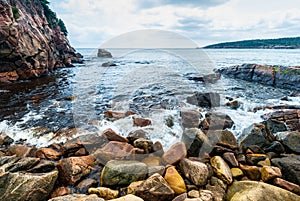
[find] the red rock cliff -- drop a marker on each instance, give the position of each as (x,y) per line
(29,48)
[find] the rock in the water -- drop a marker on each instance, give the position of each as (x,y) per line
(104,53)
(5,139)
(290,139)
(206,100)
(105,193)
(47,153)
(290,167)
(146,145)
(216,121)
(108,64)
(141,122)
(175,153)
(175,181)
(258,191)
(111,135)
(221,169)
(256,134)
(120,172)
(155,188)
(26,186)
(73,169)
(77,197)
(195,171)
(190,119)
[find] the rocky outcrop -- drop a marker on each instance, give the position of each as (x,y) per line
(29,46)
(277,76)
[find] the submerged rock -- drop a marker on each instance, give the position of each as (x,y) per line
(104,53)
(206,100)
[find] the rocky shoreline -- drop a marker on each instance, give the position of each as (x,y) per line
(209,164)
(276,76)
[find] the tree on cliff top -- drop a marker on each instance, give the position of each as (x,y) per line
(52,18)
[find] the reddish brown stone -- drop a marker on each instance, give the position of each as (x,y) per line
(175,153)
(141,122)
(190,119)
(118,115)
(230,159)
(252,172)
(111,135)
(73,169)
(61,191)
(47,153)
(21,151)
(287,185)
(268,173)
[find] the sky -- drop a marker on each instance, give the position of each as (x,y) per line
(92,23)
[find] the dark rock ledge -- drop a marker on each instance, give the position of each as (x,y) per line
(276,76)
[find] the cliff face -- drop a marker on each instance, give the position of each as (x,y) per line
(29,48)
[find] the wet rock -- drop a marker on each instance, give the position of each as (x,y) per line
(216,121)
(85,184)
(230,159)
(155,188)
(118,172)
(141,122)
(61,191)
(236,172)
(108,64)
(194,139)
(73,169)
(195,171)
(113,150)
(235,104)
(253,159)
(175,153)
(77,197)
(294,188)
(206,100)
(221,169)
(146,145)
(114,115)
(105,193)
(256,134)
(275,147)
(209,78)
(128,198)
(134,135)
(22,164)
(111,135)
(250,190)
(269,172)
(71,149)
(190,119)
(252,172)
(290,167)
(90,142)
(104,53)
(26,186)
(42,167)
(5,140)
(47,153)
(290,139)
(175,181)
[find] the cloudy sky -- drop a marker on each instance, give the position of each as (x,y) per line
(93,22)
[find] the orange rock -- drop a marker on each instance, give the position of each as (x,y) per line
(111,135)
(47,153)
(269,172)
(174,180)
(61,191)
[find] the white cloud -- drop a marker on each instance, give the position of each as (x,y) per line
(92,22)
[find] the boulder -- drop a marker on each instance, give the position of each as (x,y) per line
(290,167)
(104,53)
(120,172)
(73,169)
(256,134)
(221,169)
(155,188)
(205,100)
(218,188)
(175,153)
(209,78)
(269,173)
(216,121)
(287,185)
(259,191)
(111,135)
(196,142)
(108,64)
(146,145)
(47,153)
(289,139)
(195,171)
(141,122)
(190,119)
(252,172)
(20,186)
(5,139)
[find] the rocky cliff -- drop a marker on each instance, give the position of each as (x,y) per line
(30,44)
(277,76)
